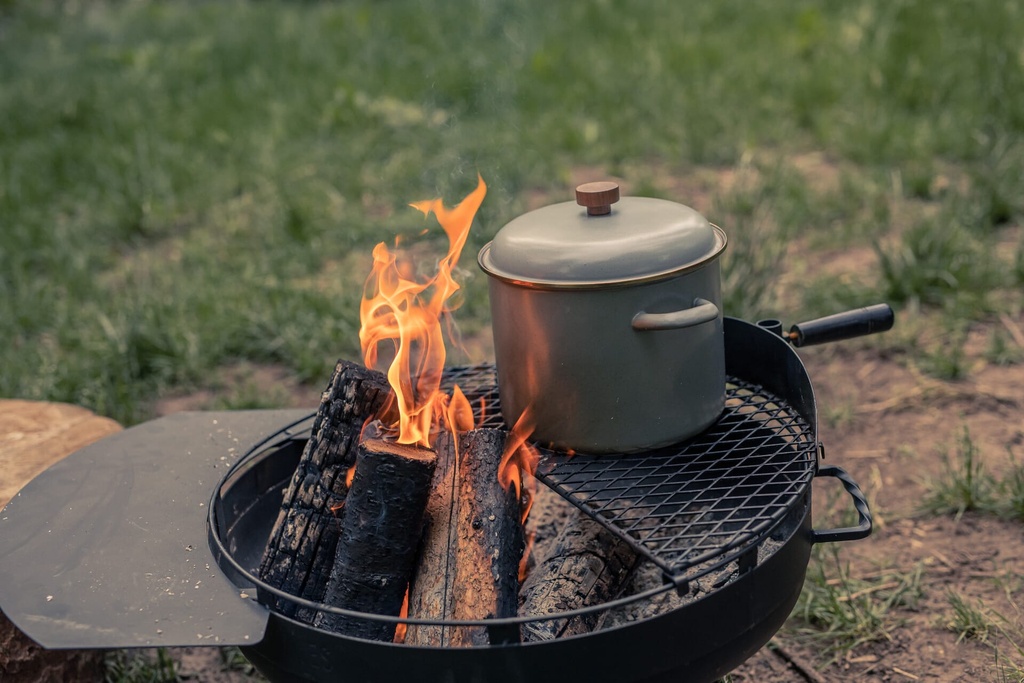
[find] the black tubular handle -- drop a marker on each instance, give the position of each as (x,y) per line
(850,533)
(856,323)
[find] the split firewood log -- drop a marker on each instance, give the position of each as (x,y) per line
(431,594)
(489,537)
(484,547)
(302,544)
(380,531)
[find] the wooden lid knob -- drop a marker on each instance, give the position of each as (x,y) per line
(598,197)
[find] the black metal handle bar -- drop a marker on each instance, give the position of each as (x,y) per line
(850,533)
(855,323)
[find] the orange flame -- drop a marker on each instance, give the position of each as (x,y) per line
(402,627)
(519,462)
(458,414)
(407,313)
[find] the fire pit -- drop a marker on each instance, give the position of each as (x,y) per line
(123,545)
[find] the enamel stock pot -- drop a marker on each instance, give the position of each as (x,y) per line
(607,321)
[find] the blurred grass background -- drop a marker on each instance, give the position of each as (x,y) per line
(185,185)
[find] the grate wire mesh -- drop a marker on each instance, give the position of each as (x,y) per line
(693,507)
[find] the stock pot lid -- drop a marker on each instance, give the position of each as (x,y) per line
(591,242)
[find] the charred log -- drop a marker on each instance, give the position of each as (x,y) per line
(302,544)
(380,530)
(548,515)
(587,565)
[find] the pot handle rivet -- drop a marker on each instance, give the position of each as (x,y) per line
(598,197)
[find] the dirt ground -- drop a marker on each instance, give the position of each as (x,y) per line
(895,425)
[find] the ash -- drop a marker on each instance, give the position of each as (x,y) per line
(647,576)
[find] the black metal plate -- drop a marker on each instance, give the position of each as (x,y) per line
(108,549)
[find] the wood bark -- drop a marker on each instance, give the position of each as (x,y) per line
(489,537)
(380,531)
(484,544)
(587,565)
(302,544)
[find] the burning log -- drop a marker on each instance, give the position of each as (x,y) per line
(489,541)
(587,565)
(302,544)
(431,594)
(478,553)
(380,531)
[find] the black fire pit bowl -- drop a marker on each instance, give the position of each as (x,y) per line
(699,642)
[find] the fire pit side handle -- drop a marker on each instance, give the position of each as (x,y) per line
(860,502)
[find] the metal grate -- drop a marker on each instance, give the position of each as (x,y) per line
(693,507)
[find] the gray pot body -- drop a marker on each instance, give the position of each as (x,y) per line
(598,384)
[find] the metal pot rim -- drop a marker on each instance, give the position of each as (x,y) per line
(485,263)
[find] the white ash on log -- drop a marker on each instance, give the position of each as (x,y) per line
(648,576)
(484,545)
(381,524)
(587,565)
(302,544)
(548,514)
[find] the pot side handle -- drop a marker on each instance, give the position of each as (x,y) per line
(850,533)
(703,311)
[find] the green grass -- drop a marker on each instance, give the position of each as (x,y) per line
(188,184)
(972,620)
(1002,350)
(1011,491)
(233,660)
(159,665)
(941,263)
(839,612)
(133,666)
(964,484)
(967,620)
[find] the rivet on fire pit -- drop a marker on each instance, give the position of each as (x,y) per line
(598,197)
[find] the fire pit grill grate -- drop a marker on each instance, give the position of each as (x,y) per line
(693,507)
